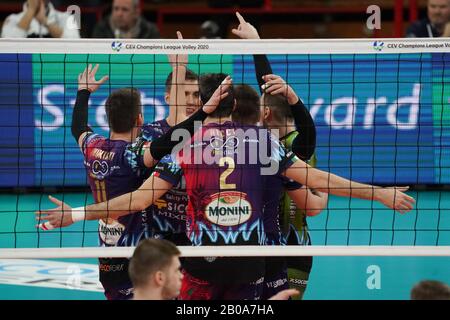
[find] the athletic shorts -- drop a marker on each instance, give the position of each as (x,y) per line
(118,292)
(298,279)
(197,289)
(115,279)
(275,284)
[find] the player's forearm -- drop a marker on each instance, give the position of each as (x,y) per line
(177,99)
(331,183)
(120,206)
(80,114)
(163,145)
(304,144)
(316,202)
(262,68)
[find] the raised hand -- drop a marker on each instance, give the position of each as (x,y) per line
(276,85)
(59,217)
(245,30)
(178,59)
(86,80)
(395,198)
(220,93)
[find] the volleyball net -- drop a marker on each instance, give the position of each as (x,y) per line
(381,110)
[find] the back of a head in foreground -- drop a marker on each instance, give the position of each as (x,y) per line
(208,83)
(430,290)
(247,111)
(149,257)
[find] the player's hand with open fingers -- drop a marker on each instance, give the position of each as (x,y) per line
(86,80)
(59,217)
(275,84)
(221,93)
(395,198)
(245,30)
(178,59)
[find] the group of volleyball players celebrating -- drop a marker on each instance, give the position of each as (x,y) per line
(246,176)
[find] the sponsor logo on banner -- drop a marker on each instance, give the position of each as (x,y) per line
(378,45)
(116,46)
(50,274)
(229,208)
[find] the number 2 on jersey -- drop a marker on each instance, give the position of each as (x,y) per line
(231,165)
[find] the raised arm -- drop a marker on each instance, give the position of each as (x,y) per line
(245,30)
(305,143)
(64,215)
(86,85)
(177,98)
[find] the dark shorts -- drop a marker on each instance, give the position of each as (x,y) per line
(197,289)
(275,284)
(114,278)
(298,279)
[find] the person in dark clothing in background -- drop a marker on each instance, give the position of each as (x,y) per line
(438,15)
(126,22)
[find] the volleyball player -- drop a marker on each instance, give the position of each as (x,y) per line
(109,172)
(297,202)
(112,171)
(204,184)
(284,111)
(166,218)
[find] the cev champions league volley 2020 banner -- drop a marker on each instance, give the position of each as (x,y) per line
(381,119)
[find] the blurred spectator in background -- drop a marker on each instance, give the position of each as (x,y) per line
(39,19)
(126,22)
(447,30)
(217,27)
(438,15)
(430,290)
(210,30)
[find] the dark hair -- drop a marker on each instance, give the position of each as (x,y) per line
(430,290)
(279,107)
(122,107)
(208,84)
(190,76)
(150,256)
(247,110)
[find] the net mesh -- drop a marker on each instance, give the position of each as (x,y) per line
(382,118)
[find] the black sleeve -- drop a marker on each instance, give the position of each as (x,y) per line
(164,144)
(80,114)
(262,67)
(304,144)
